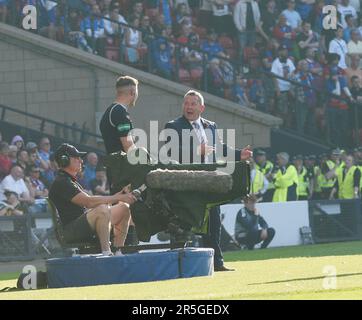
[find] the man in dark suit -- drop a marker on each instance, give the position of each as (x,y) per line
(208,147)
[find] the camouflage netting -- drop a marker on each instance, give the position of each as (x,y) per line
(165,205)
(185,180)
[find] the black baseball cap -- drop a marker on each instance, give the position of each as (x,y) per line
(69,150)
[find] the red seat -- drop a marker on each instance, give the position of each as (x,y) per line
(112,53)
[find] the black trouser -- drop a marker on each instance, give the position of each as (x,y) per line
(268,195)
(212,238)
(254,237)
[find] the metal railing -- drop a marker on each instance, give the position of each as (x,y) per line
(50,127)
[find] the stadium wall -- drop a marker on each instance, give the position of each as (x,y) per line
(44,77)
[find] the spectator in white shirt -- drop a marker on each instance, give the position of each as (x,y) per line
(112,28)
(14,182)
(355,45)
(283,67)
(339,46)
(293,17)
(345,8)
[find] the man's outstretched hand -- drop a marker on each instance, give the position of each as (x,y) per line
(246,153)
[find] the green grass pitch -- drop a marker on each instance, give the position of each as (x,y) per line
(303,272)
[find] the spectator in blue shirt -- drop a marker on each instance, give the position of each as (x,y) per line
(93,27)
(89,172)
(211,46)
(304,9)
(350,26)
(42,157)
(162,58)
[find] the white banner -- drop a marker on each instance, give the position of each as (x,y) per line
(285,217)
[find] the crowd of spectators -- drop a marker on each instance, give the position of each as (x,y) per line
(27,169)
(228,47)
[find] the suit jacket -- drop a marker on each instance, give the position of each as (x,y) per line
(182,123)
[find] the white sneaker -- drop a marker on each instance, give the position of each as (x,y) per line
(107,253)
(118,253)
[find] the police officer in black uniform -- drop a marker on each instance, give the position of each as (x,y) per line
(116,124)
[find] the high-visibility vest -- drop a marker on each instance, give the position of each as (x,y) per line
(303,183)
(258,182)
(283,181)
(323,182)
(265,170)
(346,188)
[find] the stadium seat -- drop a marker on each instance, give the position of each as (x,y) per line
(84,247)
(112,53)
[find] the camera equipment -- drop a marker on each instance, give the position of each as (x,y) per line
(137,192)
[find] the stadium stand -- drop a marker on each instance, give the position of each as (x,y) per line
(131,31)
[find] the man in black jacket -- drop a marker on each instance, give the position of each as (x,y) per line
(205,132)
(250,226)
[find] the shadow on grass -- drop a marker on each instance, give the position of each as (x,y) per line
(305,279)
(317,250)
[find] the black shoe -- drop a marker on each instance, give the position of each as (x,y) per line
(223,268)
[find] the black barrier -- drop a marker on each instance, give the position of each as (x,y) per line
(15,238)
(28,237)
(335,220)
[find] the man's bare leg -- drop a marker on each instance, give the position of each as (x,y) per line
(120,219)
(99,219)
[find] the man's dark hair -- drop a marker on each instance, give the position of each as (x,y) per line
(8,193)
(125,81)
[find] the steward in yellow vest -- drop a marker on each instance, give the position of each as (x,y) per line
(303,178)
(266,167)
(327,178)
(348,181)
(285,180)
(259,184)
